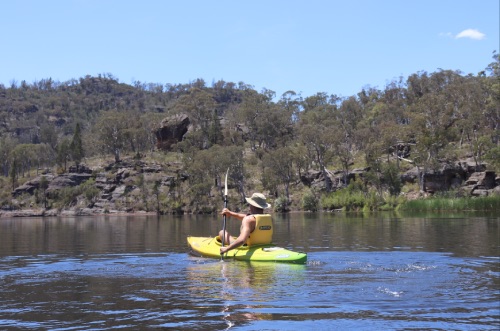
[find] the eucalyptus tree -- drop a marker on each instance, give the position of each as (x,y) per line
(111,132)
(266,124)
(383,131)
(206,169)
(491,85)
(254,113)
(44,155)
(471,99)
(433,114)
(279,170)
(44,184)
(25,154)
(13,173)
(63,153)
(316,129)
(346,134)
(146,139)
(7,145)
(76,146)
(117,132)
(201,108)
(48,134)
(138,134)
(291,102)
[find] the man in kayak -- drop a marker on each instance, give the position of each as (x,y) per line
(256,227)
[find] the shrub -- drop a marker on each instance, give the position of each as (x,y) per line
(352,198)
(281,204)
(309,202)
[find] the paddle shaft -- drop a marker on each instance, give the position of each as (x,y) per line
(224,222)
(224,216)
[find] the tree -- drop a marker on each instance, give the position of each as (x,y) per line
(201,108)
(433,115)
(13,173)
(44,184)
(207,168)
(156,192)
(7,145)
(263,120)
(76,146)
(278,167)
(24,155)
(48,135)
(345,137)
(316,128)
(111,132)
(63,153)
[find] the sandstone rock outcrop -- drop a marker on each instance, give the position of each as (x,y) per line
(172,130)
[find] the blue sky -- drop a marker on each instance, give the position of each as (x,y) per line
(307,46)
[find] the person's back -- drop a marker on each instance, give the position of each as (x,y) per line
(263,232)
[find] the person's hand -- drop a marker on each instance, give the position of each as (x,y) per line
(223,250)
(226,211)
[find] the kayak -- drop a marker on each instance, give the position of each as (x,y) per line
(210,247)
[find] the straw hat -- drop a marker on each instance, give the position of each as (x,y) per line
(258,200)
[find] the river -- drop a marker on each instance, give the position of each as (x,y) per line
(364,272)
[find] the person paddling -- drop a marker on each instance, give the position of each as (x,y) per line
(256,227)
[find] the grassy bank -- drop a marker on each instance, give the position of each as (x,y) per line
(357,197)
(490,203)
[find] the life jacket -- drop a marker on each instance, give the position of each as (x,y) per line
(263,233)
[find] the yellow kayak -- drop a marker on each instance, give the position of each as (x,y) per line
(210,247)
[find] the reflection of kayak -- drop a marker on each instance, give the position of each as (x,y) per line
(210,247)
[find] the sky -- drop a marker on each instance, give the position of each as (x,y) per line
(306,46)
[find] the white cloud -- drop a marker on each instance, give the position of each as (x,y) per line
(471,33)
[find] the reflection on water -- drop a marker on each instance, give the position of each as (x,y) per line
(244,287)
(362,273)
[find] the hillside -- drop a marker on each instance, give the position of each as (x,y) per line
(96,145)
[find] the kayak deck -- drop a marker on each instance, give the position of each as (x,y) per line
(210,247)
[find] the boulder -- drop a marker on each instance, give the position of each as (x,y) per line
(310,176)
(470,166)
(410,176)
(171,131)
(66,180)
(30,186)
(81,169)
(484,180)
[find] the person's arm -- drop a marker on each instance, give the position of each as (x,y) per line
(244,234)
(229,213)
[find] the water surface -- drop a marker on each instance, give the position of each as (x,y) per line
(377,272)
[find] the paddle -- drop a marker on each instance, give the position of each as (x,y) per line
(224,216)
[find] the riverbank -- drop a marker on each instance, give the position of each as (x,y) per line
(430,204)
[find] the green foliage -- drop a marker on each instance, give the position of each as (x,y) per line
(493,157)
(68,196)
(63,153)
(281,204)
(76,146)
(90,192)
(13,173)
(355,197)
(268,145)
(489,203)
(392,202)
(279,171)
(391,178)
(309,201)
